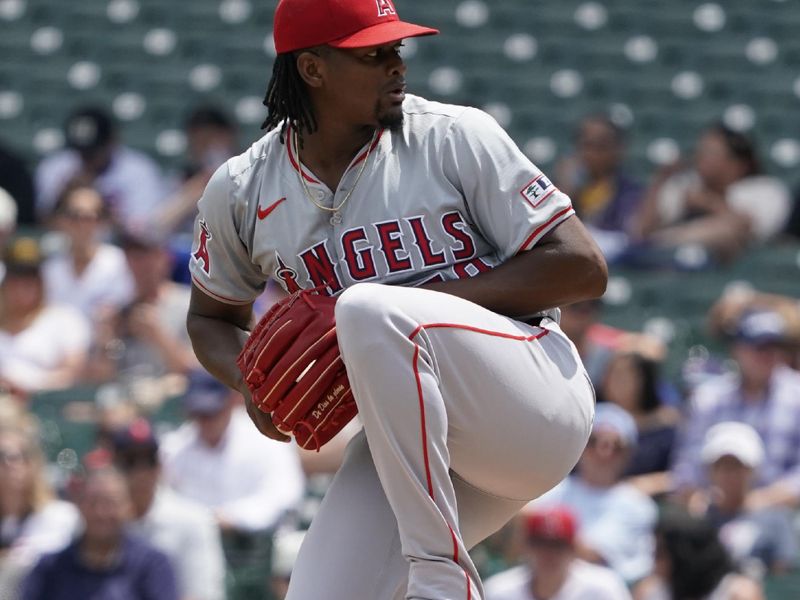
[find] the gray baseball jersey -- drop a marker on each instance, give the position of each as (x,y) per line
(448,196)
(437,380)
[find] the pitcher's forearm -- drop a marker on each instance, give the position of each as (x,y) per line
(565,267)
(218,332)
(216,344)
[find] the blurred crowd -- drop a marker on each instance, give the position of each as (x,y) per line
(687,489)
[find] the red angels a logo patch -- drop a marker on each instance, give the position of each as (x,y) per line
(385,8)
(538,190)
(286,275)
(201,255)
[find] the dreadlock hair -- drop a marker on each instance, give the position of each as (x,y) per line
(287,99)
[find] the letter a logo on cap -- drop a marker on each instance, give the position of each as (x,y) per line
(385,8)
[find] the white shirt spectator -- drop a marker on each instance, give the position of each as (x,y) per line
(617,522)
(47,530)
(132,184)
(189,536)
(106,282)
(585,581)
(765,200)
(30,358)
(251,480)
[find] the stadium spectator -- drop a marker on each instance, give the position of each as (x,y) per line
(88,274)
(603,194)
(16,179)
(148,338)
(551,569)
(42,346)
(711,204)
(758,541)
(616,519)
(184,531)
(130,182)
(692,564)
(8,223)
(221,461)
(724,316)
(105,562)
(764,393)
(32,520)
(211,140)
(632,381)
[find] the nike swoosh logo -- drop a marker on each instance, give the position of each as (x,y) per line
(263,213)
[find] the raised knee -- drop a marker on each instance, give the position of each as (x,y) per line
(355,302)
(360,308)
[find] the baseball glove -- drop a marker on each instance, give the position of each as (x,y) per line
(292,367)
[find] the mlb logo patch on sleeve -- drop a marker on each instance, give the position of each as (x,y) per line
(538,190)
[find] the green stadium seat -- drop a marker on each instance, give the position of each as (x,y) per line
(248,559)
(67,421)
(623,51)
(783,587)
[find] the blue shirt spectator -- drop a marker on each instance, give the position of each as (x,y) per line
(604,195)
(139,573)
(105,562)
(774,413)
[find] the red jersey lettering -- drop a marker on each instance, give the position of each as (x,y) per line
(423,240)
(320,267)
(455,227)
(392,246)
(359,262)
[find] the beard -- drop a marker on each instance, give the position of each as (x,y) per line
(393,121)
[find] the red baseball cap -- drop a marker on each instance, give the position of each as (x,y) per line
(556,524)
(303,24)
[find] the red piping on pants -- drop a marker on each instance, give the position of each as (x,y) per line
(415,363)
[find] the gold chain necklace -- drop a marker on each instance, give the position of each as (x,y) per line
(307,192)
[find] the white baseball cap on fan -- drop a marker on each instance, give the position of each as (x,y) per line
(738,440)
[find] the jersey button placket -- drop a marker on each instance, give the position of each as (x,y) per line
(336,218)
(339,195)
(325,198)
